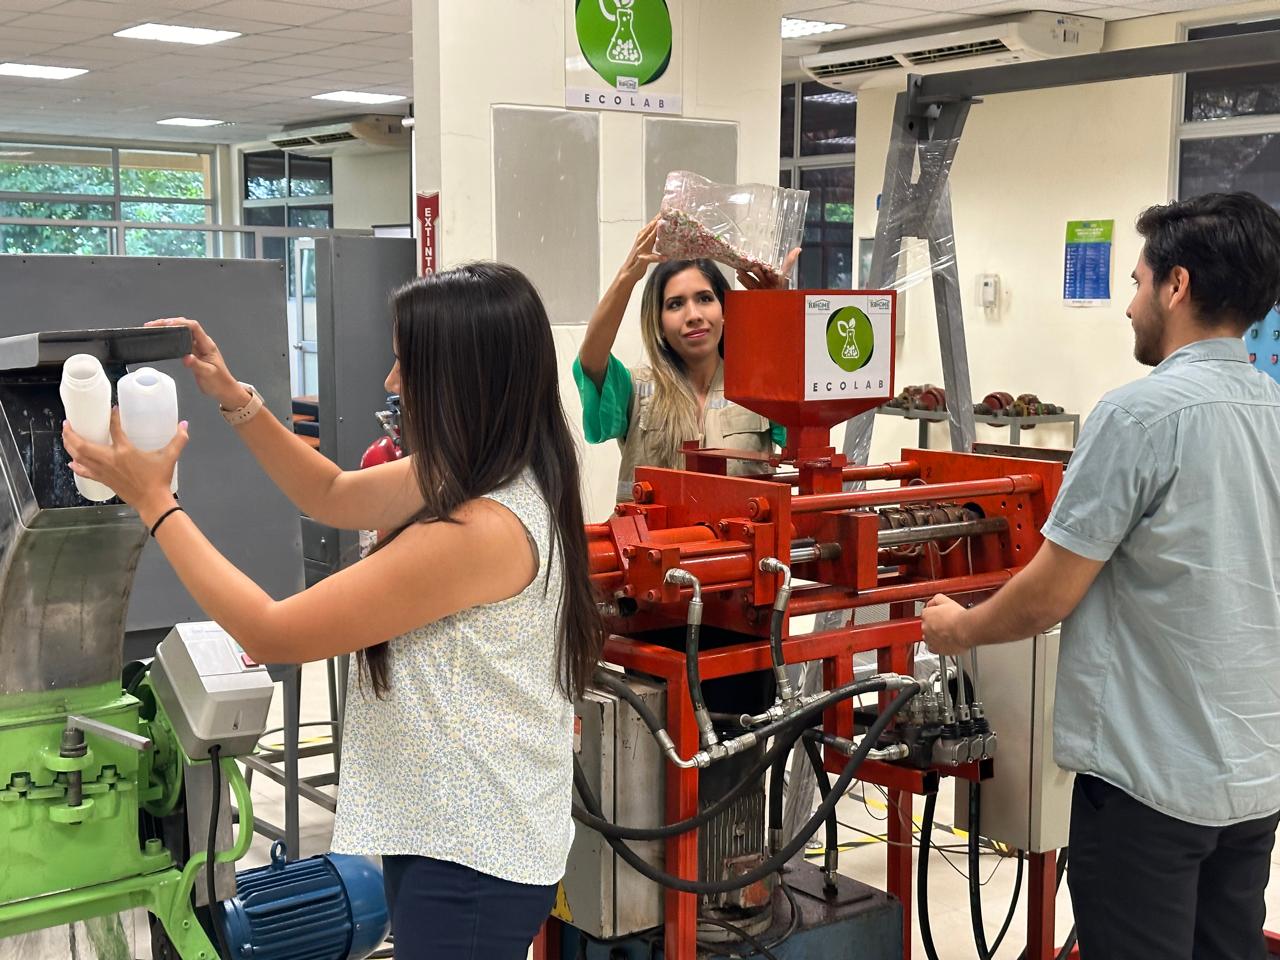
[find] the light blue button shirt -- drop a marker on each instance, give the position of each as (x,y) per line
(1169,672)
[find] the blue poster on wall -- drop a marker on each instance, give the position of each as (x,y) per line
(1086,276)
(1263,341)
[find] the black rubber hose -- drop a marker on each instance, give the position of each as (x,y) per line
(775,636)
(618,686)
(922,876)
(1013,904)
(777,860)
(824,790)
(692,633)
(780,730)
(702,817)
(975,882)
(215,810)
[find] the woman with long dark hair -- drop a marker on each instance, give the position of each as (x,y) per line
(473,622)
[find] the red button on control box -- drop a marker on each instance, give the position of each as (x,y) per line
(247,660)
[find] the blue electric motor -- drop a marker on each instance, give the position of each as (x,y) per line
(330,907)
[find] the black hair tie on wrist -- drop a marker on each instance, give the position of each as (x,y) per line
(163,517)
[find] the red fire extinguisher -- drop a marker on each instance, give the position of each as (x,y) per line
(386,449)
(389,446)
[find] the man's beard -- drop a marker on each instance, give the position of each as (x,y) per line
(1147,338)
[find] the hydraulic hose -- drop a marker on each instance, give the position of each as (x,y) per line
(785,740)
(777,860)
(777,620)
(831,857)
(975,883)
(618,687)
(693,631)
(922,876)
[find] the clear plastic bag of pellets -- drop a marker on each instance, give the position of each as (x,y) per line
(746,226)
(112,937)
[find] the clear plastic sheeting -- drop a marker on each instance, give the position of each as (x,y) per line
(119,936)
(745,226)
(916,204)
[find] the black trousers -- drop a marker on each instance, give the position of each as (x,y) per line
(1146,885)
(445,911)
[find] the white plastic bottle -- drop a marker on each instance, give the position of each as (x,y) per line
(86,399)
(149,410)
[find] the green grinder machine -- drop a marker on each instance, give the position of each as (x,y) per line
(106,783)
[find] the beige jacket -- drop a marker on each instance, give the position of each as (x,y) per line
(724,425)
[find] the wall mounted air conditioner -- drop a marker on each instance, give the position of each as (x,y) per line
(886,62)
(368,134)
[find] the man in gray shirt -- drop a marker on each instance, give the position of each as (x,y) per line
(1162,560)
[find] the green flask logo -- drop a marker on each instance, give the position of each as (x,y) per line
(850,339)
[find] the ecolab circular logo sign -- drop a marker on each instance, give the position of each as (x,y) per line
(627,42)
(850,338)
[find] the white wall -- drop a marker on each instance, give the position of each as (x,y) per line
(499,52)
(1026,164)
(371,189)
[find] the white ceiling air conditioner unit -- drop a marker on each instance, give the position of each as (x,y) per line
(368,134)
(886,62)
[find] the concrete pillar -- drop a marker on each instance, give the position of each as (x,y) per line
(561,193)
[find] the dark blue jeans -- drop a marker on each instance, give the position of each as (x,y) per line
(445,911)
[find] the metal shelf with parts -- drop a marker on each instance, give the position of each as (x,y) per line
(1015,424)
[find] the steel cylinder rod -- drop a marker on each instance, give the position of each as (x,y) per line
(942,531)
(806,600)
(895,470)
(995,487)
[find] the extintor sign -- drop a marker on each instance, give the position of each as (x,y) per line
(428,217)
(847,346)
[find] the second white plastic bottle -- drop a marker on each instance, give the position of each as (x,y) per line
(149,410)
(86,400)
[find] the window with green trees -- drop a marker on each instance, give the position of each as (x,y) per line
(104,200)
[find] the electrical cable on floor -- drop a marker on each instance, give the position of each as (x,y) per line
(215,810)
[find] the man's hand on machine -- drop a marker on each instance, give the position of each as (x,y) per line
(945,626)
(139,478)
(207,366)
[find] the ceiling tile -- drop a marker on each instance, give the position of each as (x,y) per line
(803,8)
(272,11)
(367,21)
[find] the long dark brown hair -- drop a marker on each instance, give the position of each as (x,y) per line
(480,402)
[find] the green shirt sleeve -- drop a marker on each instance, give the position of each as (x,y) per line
(779,434)
(606,413)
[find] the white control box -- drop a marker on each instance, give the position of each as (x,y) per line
(1027,804)
(211,690)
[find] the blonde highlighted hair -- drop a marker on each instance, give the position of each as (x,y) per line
(673,411)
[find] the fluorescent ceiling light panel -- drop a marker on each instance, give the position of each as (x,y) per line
(792,28)
(191,122)
(39,72)
(167,33)
(354,96)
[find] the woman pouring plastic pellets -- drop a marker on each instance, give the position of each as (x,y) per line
(473,622)
(652,410)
